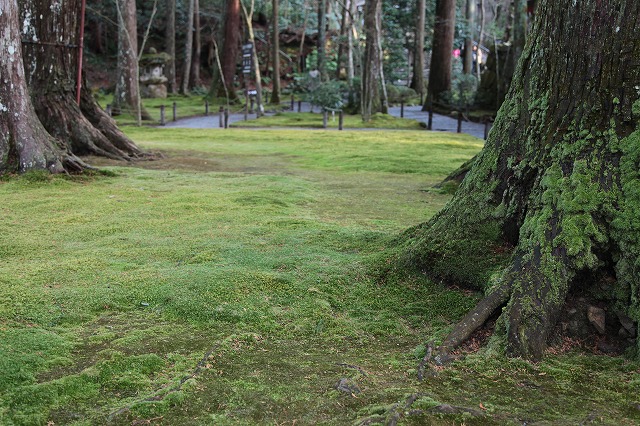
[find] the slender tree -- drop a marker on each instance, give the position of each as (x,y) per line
(350,43)
(188,50)
(443,32)
(197,46)
(417,80)
(127,92)
(342,41)
(275,93)
(170,37)
(549,208)
(51,62)
(322,39)
(248,16)
(371,101)
(470,15)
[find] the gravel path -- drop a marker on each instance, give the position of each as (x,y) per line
(440,122)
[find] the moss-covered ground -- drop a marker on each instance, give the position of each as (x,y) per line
(238,281)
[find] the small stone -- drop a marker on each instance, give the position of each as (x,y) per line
(596,317)
(347,386)
(627,323)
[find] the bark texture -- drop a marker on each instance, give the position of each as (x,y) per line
(470,15)
(322,39)
(25,145)
(49,34)
(275,93)
(228,54)
(370,97)
(548,206)
(171,45)
(188,50)
(417,81)
(197,46)
(443,32)
(127,92)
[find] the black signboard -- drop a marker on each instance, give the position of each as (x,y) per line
(247,58)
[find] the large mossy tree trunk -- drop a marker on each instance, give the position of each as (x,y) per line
(550,204)
(50,34)
(25,145)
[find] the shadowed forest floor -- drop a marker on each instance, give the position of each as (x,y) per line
(237,281)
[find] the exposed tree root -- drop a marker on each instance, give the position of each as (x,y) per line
(425,360)
(162,393)
(107,126)
(401,410)
(354,367)
(471,322)
(62,117)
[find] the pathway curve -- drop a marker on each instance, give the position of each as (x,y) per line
(440,122)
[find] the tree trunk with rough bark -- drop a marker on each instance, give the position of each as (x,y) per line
(322,40)
(275,93)
(127,92)
(197,46)
(248,16)
(417,81)
(50,54)
(441,53)
(550,206)
(351,73)
(170,35)
(372,62)
(228,54)
(188,50)
(470,15)
(25,145)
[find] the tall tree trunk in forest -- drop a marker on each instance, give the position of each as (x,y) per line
(248,16)
(470,15)
(517,40)
(550,205)
(170,36)
(51,62)
(351,71)
(417,81)
(188,50)
(275,45)
(197,46)
(480,52)
(303,33)
(229,54)
(342,40)
(127,92)
(443,32)
(25,145)
(372,62)
(322,39)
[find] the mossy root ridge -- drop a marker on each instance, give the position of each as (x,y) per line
(547,208)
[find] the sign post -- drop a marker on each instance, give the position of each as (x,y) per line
(247,66)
